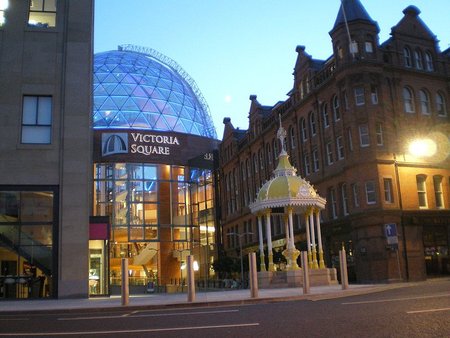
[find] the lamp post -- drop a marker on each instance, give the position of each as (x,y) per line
(239,236)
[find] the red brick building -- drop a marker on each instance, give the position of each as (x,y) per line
(351,120)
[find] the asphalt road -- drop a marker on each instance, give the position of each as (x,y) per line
(418,310)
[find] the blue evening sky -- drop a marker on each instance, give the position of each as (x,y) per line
(236,48)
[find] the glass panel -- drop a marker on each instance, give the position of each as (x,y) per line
(36,207)
(136,213)
(136,191)
(45,110)
(150,172)
(41,19)
(151,213)
(120,171)
(36,235)
(50,6)
(36,5)
(10,234)
(35,134)
(9,206)
(150,233)
(150,191)
(29,110)
(136,233)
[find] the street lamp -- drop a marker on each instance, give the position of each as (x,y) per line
(240,250)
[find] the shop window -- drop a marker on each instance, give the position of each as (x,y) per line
(422,191)
(42,13)
(37,119)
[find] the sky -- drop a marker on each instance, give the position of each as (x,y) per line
(237,48)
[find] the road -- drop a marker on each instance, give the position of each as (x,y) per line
(417,310)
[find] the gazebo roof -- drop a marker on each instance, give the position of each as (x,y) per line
(285,188)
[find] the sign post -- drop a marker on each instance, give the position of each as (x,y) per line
(390,231)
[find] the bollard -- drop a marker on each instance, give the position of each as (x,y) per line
(190,279)
(253,275)
(125,287)
(344,273)
(304,261)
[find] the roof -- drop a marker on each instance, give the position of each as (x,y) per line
(351,10)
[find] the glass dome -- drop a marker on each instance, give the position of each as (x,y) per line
(138,88)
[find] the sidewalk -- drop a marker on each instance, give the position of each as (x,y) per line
(162,300)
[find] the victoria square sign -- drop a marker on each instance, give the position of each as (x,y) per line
(149,146)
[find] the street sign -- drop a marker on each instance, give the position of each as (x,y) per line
(390,231)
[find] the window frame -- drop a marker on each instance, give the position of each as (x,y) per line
(441,106)
(424,98)
(44,11)
(371,193)
(363,135)
(340,148)
(438,193)
(408,100)
(37,114)
(407,57)
(388,190)
(360,99)
(336,108)
(379,134)
(421,183)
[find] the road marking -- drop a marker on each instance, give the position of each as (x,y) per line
(134,315)
(397,299)
(129,331)
(8,319)
(429,310)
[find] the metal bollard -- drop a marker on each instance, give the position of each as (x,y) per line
(344,273)
(190,278)
(125,286)
(304,261)
(253,275)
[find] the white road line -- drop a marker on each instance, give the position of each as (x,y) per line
(47,334)
(8,319)
(397,299)
(133,315)
(429,310)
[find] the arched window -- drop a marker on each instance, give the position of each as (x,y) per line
(303,129)
(325,117)
(441,107)
(429,62)
(312,123)
(408,100)
(407,57)
(249,172)
(424,102)
(292,137)
(336,109)
(418,58)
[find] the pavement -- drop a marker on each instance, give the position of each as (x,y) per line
(210,298)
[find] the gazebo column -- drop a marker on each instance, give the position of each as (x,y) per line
(319,240)
(269,243)
(313,240)
(293,252)
(262,263)
(308,240)
(288,242)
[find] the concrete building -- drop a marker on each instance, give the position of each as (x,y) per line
(45,147)
(369,128)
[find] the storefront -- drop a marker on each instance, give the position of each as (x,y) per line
(28,227)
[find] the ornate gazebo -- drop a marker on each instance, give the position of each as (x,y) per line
(287,194)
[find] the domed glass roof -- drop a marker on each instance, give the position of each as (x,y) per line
(137,88)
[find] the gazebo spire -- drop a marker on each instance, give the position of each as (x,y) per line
(284,167)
